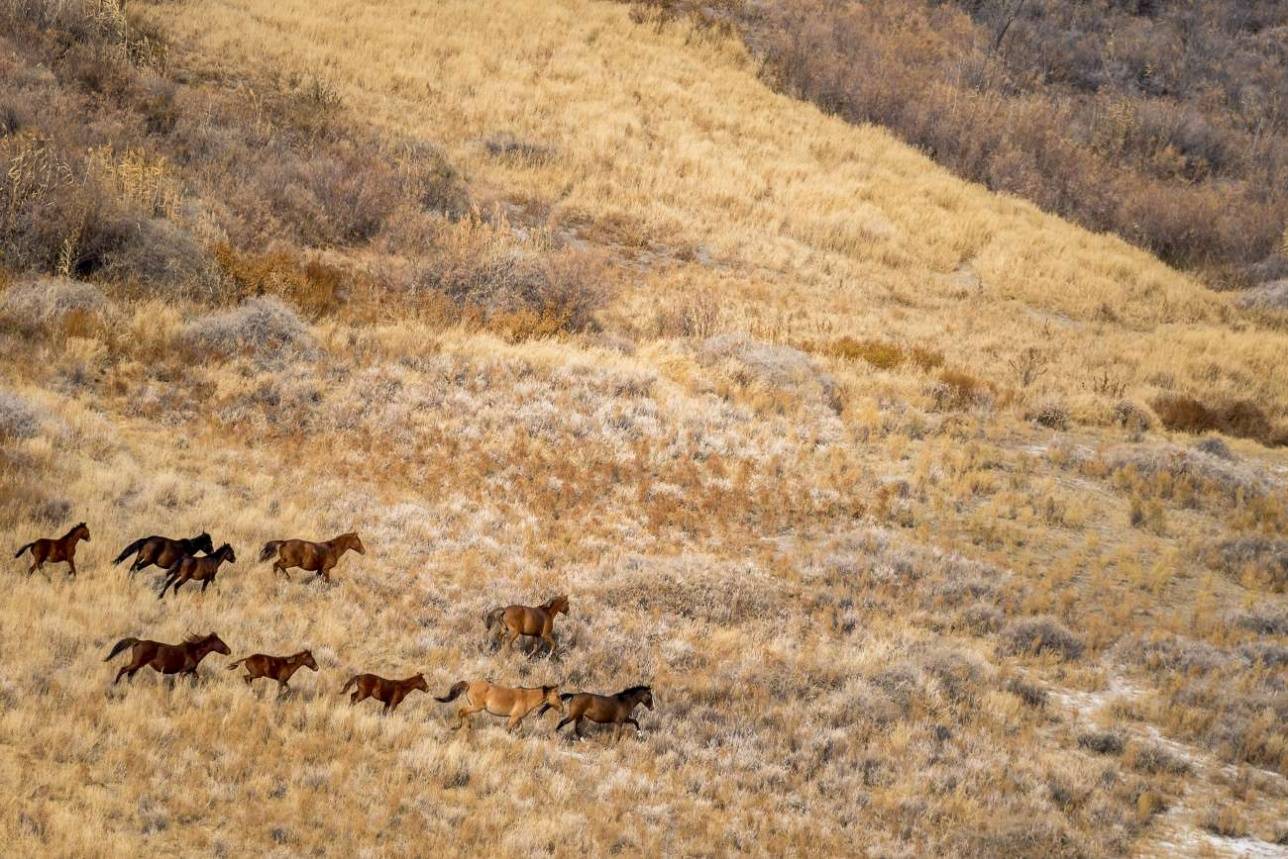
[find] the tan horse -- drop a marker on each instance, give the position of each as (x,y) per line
(519,620)
(167,658)
(612,710)
(279,668)
(318,558)
(203,569)
(57,551)
(163,551)
(502,701)
(392,692)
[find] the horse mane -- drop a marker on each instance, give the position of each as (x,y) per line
(74,529)
(196,638)
(633,690)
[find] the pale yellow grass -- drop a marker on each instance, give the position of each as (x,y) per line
(665,141)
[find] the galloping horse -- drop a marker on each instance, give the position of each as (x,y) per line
(502,701)
(162,551)
(167,658)
(62,549)
(392,692)
(317,558)
(279,668)
(528,620)
(614,710)
(202,569)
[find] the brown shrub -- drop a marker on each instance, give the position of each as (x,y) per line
(1239,418)
(1258,561)
(1037,635)
(957,390)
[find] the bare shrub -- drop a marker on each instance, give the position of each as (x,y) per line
(1038,635)
(696,315)
(1050,414)
(749,363)
(1262,561)
(162,258)
(18,418)
(1131,417)
(1239,418)
(263,327)
(41,303)
(1152,758)
(479,268)
(1101,742)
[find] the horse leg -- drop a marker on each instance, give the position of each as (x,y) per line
(617,732)
(513,723)
(576,727)
(631,721)
(71,563)
(278,568)
(462,713)
(563,722)
(359,695)
(549,638)
(514,633)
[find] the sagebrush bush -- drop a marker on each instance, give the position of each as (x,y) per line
(18,418)
(49,303)
(263,327)
(1039,635)
(1261,561)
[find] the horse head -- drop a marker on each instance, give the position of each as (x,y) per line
(551,699)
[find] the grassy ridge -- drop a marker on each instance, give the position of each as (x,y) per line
(854,462)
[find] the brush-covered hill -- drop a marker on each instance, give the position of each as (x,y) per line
(938,525)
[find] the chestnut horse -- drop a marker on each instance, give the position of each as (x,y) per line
(203,569)
(317,558)
(162,551)
(167,658)
(392,692)
(279,668)
(528,620)
(62,549)
(502,701)
(612,710)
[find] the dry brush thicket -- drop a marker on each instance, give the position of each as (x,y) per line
(858,465)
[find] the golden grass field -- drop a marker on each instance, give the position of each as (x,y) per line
(888,606)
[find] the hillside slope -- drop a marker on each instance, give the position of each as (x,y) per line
(854,462)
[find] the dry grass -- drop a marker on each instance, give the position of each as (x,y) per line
(878,606)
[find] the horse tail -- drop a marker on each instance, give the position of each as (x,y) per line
(347,686)
(130,550)
(270,549)
(121,645)
(232,666)
(492,618)
(18,554)
(454,692)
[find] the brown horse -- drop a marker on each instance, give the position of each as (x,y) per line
(527,620)
(203,569)
(62,549)
(167,658)
(390,691)
(317,558)
(163,551)
(502,701)
(279,668)
(612,710)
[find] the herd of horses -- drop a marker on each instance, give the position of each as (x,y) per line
(196,559)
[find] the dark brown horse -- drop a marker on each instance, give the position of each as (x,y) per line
(279,668)
(515,702)
(612,710)
(163,551)
(528,620)
(390,691)
(57,551)
(203,569)
(167,658)
(318,558)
